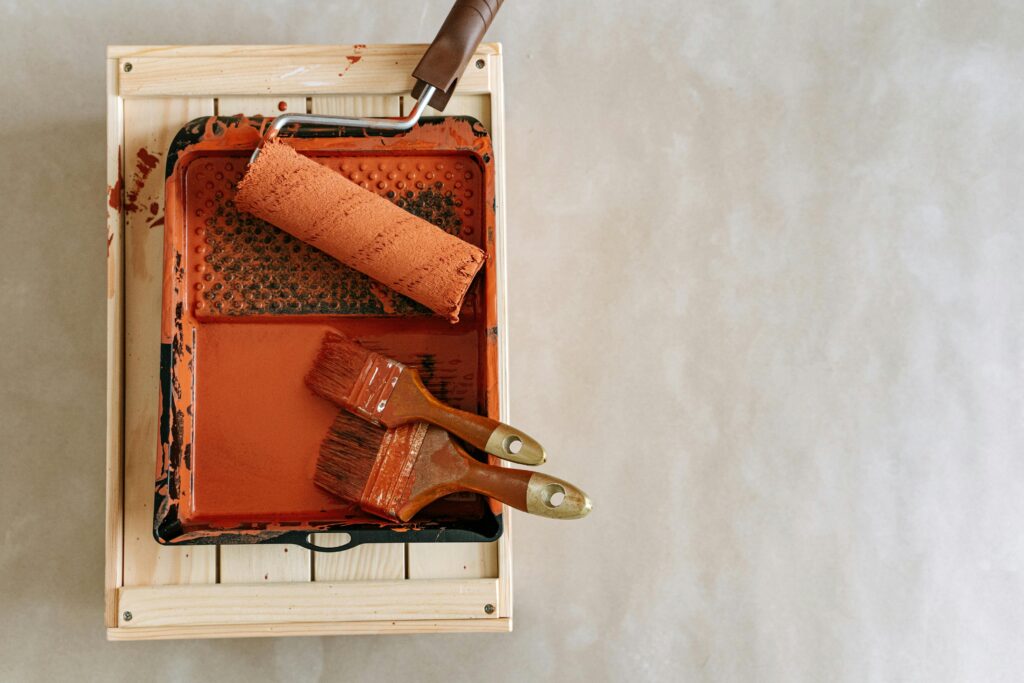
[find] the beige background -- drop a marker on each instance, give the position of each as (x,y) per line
(766,306)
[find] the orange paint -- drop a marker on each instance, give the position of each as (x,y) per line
(244,431)
(258,428)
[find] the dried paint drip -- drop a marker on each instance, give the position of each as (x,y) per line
(241,265)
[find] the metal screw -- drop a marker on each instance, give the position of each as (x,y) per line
(489,608)
(127,67)
(480,63)
(127,616)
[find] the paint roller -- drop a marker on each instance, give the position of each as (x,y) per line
(359,228)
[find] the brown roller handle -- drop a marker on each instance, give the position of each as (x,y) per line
(533,492)
(453,46)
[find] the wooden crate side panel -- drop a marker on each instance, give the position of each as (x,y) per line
(114,516)
(298,602)
(337,52)
(149,127)
(359,71)
(497,108)
(322,628)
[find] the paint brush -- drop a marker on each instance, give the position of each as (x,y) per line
(388,393)
(394,473)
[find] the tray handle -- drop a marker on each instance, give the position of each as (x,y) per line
(303,541)
(453,46)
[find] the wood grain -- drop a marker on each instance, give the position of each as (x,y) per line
(319,51)
(497,130)
(320,628)
(340,70)
(289,603)
(114,525)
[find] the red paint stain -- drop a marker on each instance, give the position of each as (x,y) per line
(114,195)
(352,60)
(147,162)
(144,165)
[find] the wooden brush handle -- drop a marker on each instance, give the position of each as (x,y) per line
(533,492)
(488,435)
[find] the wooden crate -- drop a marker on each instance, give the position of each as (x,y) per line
(158,592)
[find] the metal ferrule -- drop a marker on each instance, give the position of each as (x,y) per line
(396,124)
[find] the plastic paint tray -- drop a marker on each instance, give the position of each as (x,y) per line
(245,306)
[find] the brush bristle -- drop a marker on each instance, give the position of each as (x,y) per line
(337,367)
(347,455)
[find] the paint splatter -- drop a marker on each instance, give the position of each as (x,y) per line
(352,60)
(147,162)
(114,195)
(144,165)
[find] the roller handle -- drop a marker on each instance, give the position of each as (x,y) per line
(490,436)
(453,46)
(533,492)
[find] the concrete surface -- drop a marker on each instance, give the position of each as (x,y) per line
(766,304)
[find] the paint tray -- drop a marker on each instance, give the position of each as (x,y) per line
(245,306)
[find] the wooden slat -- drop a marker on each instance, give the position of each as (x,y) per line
(358,70)
(378,560)
(321,628)
(457,560)
(453,560)
(263,563)
(497,129)
(114,526)
(356,105)
(321,51)
(362,563)
(149,126)
(283,603)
